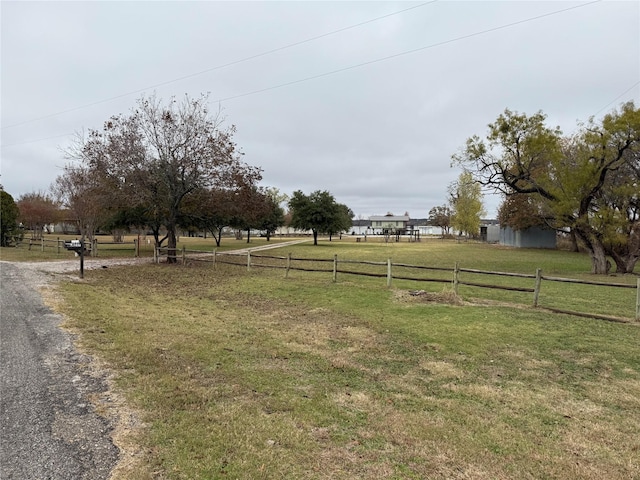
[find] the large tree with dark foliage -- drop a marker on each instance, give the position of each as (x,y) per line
(319,212)
(8,219)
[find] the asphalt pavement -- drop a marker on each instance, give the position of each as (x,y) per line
(48,425)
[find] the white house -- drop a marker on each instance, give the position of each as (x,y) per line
(389,223)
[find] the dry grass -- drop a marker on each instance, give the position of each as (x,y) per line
(249,375)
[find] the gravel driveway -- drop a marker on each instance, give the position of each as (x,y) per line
(49,428)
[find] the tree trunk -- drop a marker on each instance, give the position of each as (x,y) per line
(248,235)
(171,244)
(574,241)
(624,263)
(599,263)
(315,237)
(217,235)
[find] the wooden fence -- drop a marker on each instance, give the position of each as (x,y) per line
(94,247)
(43,243)
(453,277)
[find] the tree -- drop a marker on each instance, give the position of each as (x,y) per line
(126,219)
(36,211)
(80,190)
(211,210)
(573,179)
(342,221)
(617,214)
(520,211)
(9,228)
(466,202)
(159,155)
(273,217)
(441,217)
(318,212)
(251,208)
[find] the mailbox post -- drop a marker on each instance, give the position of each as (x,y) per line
(78,247)
(82,256)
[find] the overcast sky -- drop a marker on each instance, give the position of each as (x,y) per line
(367,100)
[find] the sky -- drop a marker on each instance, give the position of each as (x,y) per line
(367,100)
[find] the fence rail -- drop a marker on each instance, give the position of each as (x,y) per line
(301,264)
(93,247)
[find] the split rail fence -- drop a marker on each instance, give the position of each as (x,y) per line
(94,247)
(453,276)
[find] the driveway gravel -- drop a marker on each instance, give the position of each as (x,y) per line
(49,428)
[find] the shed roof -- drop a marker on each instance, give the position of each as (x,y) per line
(389,218)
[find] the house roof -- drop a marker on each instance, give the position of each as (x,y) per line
(389,218)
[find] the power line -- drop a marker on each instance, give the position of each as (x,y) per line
(219,67)
(618,97)
(34,141)
(351,67)
(407,52)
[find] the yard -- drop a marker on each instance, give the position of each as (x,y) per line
(244,374)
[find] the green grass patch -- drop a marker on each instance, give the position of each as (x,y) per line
(35,252)
(250,375)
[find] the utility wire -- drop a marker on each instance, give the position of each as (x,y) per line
(618,97)
(35,141)
(407,52)
(219,67)
(351,67)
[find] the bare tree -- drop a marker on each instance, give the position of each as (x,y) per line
(82,193)
(38,210)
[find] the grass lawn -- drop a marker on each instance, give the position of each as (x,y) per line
(246,374)
(107,249)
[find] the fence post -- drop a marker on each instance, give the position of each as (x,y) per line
(184,259)
(248,260)
(43,244)
(389,272)
(638,301)
(456,270)
(536,290)
(58,245)
(286,273)
(335,268)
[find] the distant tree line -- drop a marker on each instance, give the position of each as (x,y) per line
(165,167)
